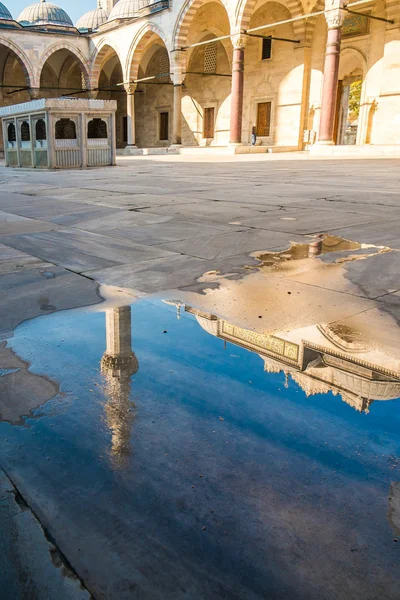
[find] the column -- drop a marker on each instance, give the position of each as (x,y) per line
(334,16)
(178,75)
(237,91)
(130,112)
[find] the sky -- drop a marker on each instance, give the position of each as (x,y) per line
(74,8)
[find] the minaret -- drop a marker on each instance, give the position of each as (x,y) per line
(118,364)
(106,4)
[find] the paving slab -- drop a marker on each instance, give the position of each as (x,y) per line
(33,292)
(159,233)
(11,224)
(380,232)
(228,244)
(116,218)
(153,275)
(219,211)
(307,220)
(82,250)
(372,277)
(14,260)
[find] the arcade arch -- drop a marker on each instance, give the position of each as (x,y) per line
(62,73)
(153,96)
(107,86)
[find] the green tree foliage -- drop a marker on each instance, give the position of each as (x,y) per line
(354,100)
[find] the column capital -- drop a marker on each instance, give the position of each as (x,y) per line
(178,65)
(34,93)
(238,41)
(130,88)
(334,13)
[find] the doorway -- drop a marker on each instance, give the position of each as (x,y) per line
(349,101)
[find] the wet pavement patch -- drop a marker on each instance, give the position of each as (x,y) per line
(189,456)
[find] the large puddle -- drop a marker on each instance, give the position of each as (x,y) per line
(201,451)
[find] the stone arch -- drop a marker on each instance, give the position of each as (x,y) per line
(137,47)
(185,18)
(23,60)
(98,59)
(64,46)
(211,31)
(245,9)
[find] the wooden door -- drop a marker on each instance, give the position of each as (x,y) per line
(164,126)
(208,123)
(263,119)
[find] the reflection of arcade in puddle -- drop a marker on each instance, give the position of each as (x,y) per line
(319,358)
(118,364)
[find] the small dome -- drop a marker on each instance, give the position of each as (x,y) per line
(92,19)
(127,9)
(5,14)
(44,13)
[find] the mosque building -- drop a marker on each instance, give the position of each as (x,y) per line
(283,75)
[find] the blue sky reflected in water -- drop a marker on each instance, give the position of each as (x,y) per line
(201,472)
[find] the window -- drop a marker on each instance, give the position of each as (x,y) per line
(266,48)
(25,132)
(65,130)
(263,119)
(40,130)
(97,128)
(164,126)
(163,68)
(11,133)
(210,58)
(208,123)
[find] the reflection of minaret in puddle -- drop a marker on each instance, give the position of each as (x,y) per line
(118,364)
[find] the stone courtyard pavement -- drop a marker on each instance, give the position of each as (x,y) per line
(149,225)
(152,224)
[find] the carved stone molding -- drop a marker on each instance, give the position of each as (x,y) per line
(130,88)
(334,13)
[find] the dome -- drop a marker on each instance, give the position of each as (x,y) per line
(44,13)
(5,14)
(127,9)
(92,19)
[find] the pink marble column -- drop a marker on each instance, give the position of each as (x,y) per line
(334,16)
(237,93)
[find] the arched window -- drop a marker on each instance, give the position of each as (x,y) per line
(40,130)
(210,58)
(65,129)
(25,132)
(163,68)
(97,128)
(11,133)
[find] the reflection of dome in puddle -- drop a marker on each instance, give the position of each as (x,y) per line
(209,325)
(344,337)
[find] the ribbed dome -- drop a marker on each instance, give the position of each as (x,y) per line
(5,13)
(44,13)
(92,19)
(127,9)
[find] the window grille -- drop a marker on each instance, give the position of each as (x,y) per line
(266,48)
(65,130)
(25,132)
(163,68)
(97,128)
(210,58)
(40,130)
(11,133)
